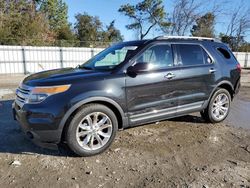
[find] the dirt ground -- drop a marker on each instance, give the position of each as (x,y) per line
(181,152)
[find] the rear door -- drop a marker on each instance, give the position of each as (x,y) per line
(197,76)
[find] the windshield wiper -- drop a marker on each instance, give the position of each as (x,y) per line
(84,67)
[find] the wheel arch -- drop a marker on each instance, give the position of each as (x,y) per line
(114,106)
(228,87)
(223,84)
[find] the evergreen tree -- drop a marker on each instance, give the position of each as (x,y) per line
(145,16)
(21,24)
(204,26)
(112,34)
(56,12)
(88,28)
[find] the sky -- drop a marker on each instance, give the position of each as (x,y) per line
(107,11)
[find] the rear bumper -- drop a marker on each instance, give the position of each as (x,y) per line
(45,137)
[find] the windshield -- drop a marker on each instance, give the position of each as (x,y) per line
(110,57)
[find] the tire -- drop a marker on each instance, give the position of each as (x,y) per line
(213,115)
(92,123)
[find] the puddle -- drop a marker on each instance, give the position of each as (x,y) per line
(239,115)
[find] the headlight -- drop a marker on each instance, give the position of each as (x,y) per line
(38,94)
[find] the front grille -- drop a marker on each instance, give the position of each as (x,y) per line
(22,93)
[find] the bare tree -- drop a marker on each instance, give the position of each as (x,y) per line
(184,15)
(216,7)
(239,22)
(237,27)
(186,12)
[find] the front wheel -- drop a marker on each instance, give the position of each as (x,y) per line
(218,107)
(92,130)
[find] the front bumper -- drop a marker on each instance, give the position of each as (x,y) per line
(37,126)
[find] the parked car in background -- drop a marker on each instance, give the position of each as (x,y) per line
(128,84)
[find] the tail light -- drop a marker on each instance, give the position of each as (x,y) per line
(238,67)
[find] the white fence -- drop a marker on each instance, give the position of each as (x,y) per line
(243,58)
(27,59)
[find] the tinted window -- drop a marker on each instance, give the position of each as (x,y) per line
(224,53)
(189,54)
(159,56)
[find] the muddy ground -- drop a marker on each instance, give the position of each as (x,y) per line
(181,152)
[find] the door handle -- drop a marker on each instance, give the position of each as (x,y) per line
(169,75)
(212,70)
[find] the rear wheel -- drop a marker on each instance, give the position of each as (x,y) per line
(92,130)
(218,107)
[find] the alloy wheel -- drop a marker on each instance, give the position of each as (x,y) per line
(94,131)
(220,106)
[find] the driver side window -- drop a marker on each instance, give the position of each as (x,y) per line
(158,56)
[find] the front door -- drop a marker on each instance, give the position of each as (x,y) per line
(151,94)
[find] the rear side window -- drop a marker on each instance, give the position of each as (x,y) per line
(224,52)
(189,54)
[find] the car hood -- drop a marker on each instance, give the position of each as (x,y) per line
(61,76)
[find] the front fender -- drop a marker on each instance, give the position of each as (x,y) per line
(89,100)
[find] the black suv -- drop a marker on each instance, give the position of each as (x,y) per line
(127,84)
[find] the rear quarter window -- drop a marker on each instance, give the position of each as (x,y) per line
(224,52)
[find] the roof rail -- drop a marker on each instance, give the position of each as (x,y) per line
(187,38)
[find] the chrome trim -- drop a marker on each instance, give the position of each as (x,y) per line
(167,111)
(169,75)
(187,38)
(212,70)
(22,94)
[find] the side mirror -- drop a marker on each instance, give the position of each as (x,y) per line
(137,68)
